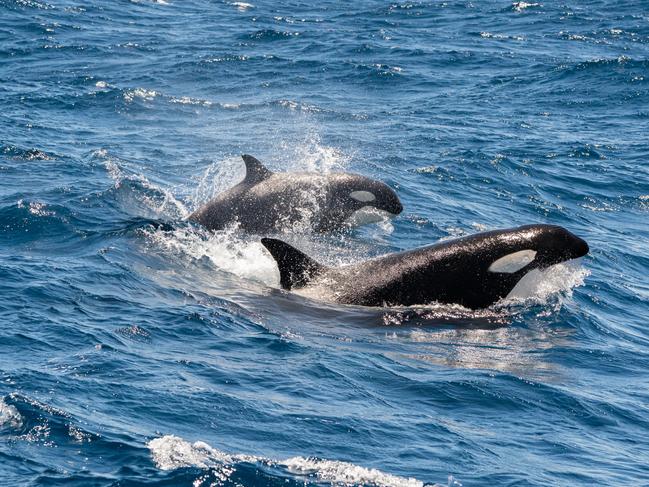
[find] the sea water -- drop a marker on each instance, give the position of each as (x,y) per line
(139,349)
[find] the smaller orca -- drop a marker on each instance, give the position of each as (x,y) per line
(267,202)
(474,271)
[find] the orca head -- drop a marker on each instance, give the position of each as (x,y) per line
(538,247)
(367,200)
(555,244)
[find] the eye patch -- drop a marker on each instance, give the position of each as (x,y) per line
(513,262)
(362,196)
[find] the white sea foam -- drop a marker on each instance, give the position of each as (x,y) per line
(142,93)
(520,6)
(225,249)
(39,209)
(171,452)
(242,6)
(346,473)
(186,100)
(490,35)
(9,416)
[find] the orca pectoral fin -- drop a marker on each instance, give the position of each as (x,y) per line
(296,268)
(255,170)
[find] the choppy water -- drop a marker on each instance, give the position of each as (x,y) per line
(144,354)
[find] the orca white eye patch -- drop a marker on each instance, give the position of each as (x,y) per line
(513,262)
(362,196)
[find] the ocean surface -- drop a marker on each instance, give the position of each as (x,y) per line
(139,349)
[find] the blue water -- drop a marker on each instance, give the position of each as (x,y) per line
(135,353)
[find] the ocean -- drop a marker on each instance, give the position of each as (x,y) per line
(140,349)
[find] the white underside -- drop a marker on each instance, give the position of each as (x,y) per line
(541,283)
(367,215)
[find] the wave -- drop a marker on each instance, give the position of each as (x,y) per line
(26,154)
(136,194)
(601,70)
(29,4)
(171,452)
(29,221)
(29,420)
(242,6)
(9,416)
(523,6)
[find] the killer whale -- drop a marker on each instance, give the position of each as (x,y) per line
(266,202)
(474,271)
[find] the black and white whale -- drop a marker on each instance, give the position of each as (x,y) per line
(266,202)
(474,271)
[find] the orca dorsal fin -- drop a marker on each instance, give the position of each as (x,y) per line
(255,170)
(296,268)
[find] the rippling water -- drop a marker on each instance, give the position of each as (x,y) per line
(139,349)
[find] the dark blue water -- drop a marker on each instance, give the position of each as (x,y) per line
(134,353)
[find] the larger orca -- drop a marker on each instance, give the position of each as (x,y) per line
(267,202)
(474,271)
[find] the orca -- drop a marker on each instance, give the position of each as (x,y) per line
(474,271)
(266,202)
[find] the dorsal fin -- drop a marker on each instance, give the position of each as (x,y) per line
(255,170)
(296,269)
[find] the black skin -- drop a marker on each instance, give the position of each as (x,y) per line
(266,202)
(453,272)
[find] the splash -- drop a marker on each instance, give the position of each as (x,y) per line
(171,452)
(521,6)
(141,93)
(345,473)
(216,178)
(227,250)
(541,286)
(308,155)
(9,416)
(242,6)
(442,314)
(311,154)
(136,192)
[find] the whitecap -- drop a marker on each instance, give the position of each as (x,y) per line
(520,6)
(186,100)
(346,473)
(170,452)
(242,6)
(142,93)
(39,209)
(9,416)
